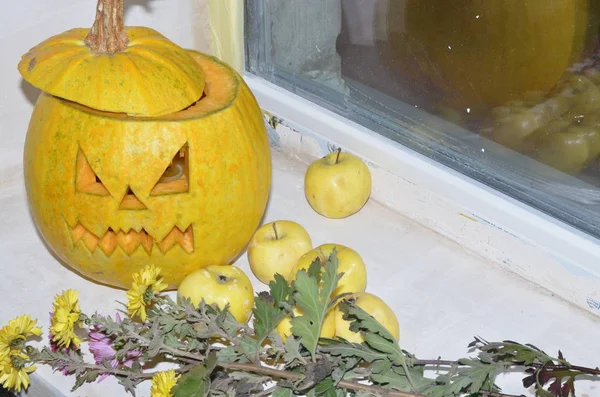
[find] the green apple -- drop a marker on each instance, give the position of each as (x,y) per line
(349,262)
(373,305)
(276,248)
(337,185)
(220,285)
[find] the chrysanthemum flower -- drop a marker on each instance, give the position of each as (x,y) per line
(66,316)
(55,348)
(101,346)
(145,284)
(14,334)
(14,374)
(162,383)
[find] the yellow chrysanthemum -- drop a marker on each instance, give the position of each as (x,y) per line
(64,318)
(162,383)
(14,334)
(145,284)
(14,372)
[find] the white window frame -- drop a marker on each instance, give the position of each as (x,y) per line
(515,236)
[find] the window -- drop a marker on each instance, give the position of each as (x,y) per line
(505,92)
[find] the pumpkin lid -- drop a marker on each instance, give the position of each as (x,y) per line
(132,70)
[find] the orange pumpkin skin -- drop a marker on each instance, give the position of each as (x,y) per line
(87,224)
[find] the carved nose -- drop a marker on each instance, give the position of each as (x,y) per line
(131,202)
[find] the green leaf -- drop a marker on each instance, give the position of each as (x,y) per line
(381,366)
(224,320)
(324,386)
(249,376)
(192,387)
(313,301)
(248,346)
(315,269)
(307,329)
(353,350)
(196,383)
(478,374)
(363,320)
(436,391)
(387,375)
(417,375)
(210,362)
(268,308)
(375,334)
(280,289)
(523,354)
(282,392)
(391,378)
(167,323)
(292,351)
(86,377)
(343,369)
(459,384)
(229,354)
(329,278)
(129,384)
(155,343)
(266,315)
(384,345)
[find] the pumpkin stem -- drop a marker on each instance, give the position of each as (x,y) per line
(107,35)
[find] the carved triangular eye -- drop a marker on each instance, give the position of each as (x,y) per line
(86,180)
(131,202)
(175,179)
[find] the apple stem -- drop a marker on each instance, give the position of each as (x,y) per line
(337,158)
(275,230)
(223,279)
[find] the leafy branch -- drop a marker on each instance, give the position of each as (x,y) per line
(214,355)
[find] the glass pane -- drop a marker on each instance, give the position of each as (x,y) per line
(504,91)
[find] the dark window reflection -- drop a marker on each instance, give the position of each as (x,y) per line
(524,73)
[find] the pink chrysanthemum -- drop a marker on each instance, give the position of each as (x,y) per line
(101,346)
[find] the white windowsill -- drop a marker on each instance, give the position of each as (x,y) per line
(442,294)
(513,235)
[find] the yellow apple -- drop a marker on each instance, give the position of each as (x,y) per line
(337,185)
(276,248)
(349,262)
(373,305)
(284,328)
(220,285)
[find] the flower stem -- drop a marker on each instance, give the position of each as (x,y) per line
(170,350)
(344,384)
(133,374)
(444,363)
(583,370)
(449,363)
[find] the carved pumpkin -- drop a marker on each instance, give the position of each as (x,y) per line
(481,53)
(111,192)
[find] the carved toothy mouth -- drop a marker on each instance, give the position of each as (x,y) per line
(129,241)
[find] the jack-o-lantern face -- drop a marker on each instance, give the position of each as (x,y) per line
(111,193)
(175,180)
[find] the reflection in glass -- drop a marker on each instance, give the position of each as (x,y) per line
(520,72)
(506,92)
